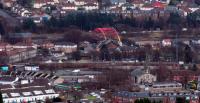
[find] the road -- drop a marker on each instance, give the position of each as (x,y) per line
(100,65)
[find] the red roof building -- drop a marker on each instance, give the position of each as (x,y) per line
(158,5)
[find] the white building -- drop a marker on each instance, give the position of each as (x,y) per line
(26,90)
(65,47)
(142,76)
(69,6)
(166,86)
(79,2)
(28,94)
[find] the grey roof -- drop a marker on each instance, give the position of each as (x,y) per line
(64,43)
(118,1)
(7,79)
(127,94)
(137,72)
(19,35)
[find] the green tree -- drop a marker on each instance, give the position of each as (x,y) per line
(145,100)
(1,6)
(188,54)
(194,67)
(193,19)
(76,55)
(174,20)
(29,24)
(1,98)
(197,2)
(180,100)
(2,29)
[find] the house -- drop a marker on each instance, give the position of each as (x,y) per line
(25,13)
(106,48)
(68,6)
(39,3)
(7,3)
(118,2)
(90,6)
(78,75)
(165,86)
(39,17)
(165,97)
(127,6)
(65,47)
(185,10)
(183,76)
(46,45)
(146,7)
(17,54)
(128,97)
(92,1)
(158,4)
(116,10)
(79,2)
(137,3)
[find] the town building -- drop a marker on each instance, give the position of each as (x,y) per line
(65,47)
(16,55)
(165,86)
(141,76)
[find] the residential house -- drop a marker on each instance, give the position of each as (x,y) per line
(146,7)
(118,2)
(39,3)
(127,6)
(185,10)
(69,7)
(66,47)
(90,6)
(137,3)
(183,76)
(39,17)
(79,2)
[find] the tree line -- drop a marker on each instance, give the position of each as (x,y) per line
(89,21)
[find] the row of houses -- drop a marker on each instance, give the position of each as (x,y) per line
(23,90)
(116,7)
(170,97)
(17,54)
